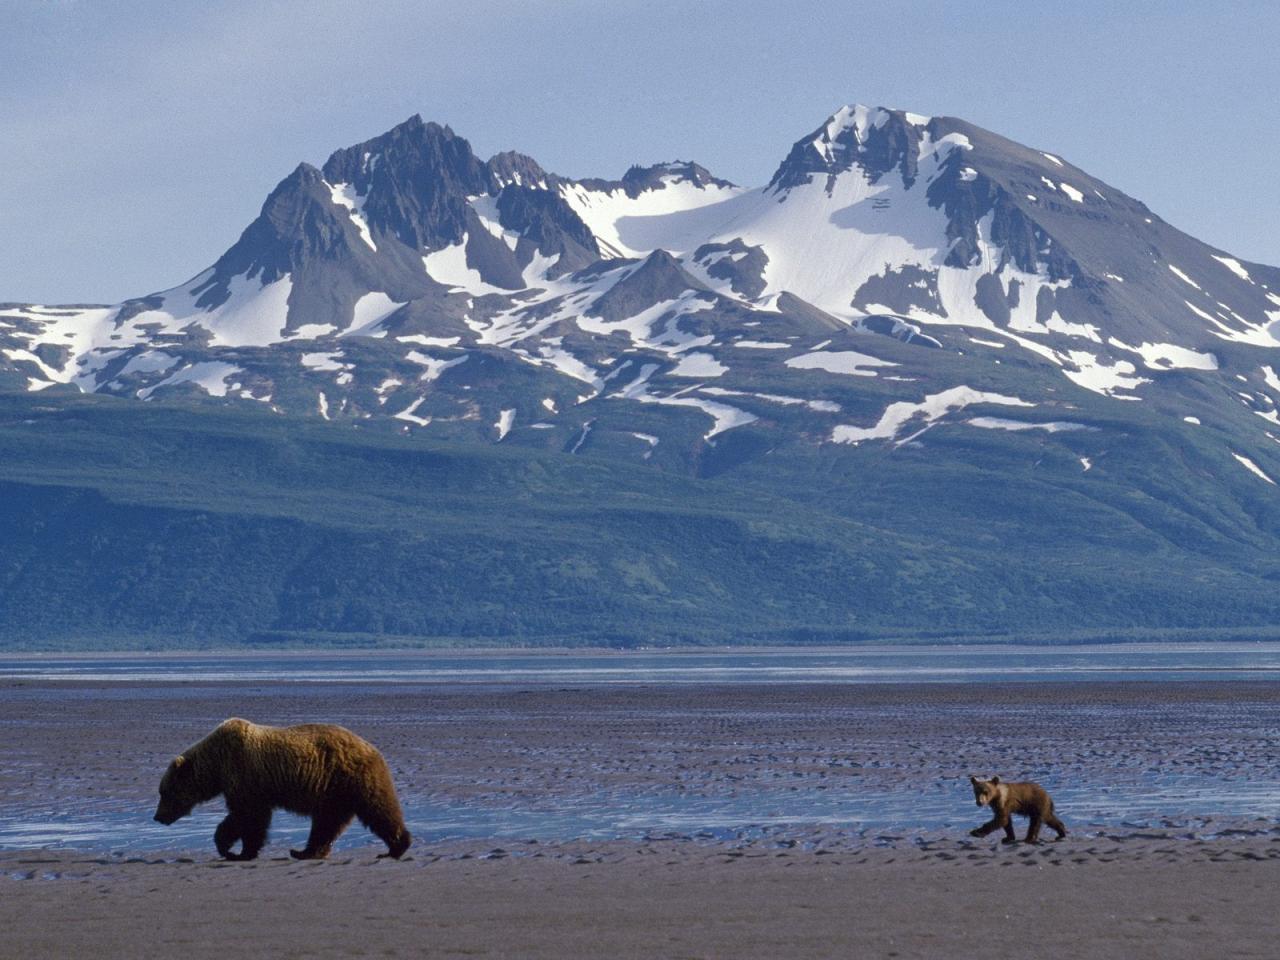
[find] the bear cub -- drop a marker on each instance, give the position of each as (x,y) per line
(316,770)
(1005,799)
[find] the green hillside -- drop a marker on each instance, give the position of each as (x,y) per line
(128,525)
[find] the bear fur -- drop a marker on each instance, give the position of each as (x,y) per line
(317,770)
(1026,799)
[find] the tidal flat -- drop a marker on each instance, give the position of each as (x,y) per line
(647,819)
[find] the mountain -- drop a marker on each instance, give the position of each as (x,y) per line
(934,380)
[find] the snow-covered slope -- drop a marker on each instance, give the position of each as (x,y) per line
(898,275)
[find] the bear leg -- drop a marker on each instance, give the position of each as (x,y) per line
(254,825)
(227,836)
(387,824)
(1009,835)
(397,844)
(1033,829)
(326,827)
(1056,824)
(989,827)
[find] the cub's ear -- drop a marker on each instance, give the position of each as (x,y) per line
(972,778)
(995,779)
(178,761)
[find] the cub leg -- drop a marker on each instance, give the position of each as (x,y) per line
(1033,829)
(1006,821)
(1056,824)
(990,826)
(326,827)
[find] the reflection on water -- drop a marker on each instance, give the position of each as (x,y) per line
(934,664)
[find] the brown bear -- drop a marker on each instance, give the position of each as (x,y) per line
(318,770)
(1005,799)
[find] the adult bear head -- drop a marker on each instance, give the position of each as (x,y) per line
(181,788)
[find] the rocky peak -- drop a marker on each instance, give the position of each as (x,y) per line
(659,277)
(873,138)
(639,179)
(512,167)
(415,180)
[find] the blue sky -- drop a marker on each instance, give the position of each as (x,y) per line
(140,137)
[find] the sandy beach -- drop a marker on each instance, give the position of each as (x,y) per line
(1085,900)
(1182,873)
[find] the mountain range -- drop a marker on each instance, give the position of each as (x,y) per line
(924,382)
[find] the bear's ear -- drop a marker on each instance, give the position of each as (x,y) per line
(972,778)
(995,779)
(178,761)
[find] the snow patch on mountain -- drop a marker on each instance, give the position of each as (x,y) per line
(410,414)
(385,387)
(822,406)
(1071,192)
(423,340)
(636,386)
(1000,423)
(1234,266)
(486,208)
(253,315)
(723,416)
(344,195)
(79,330)
(1252,467)
(848,362)
(823,246)
(1169,356)
(551,353)
(695,364)
(26,356)
(448,265)
(898,416)
(1181,275)
(676,218)
(648,438)
(506,419)
(369,311)
(321,361)
(435,366)
(210,376)
(1270,378)
(1107,379)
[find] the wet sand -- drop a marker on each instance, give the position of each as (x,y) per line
(661,900)
(1176,878)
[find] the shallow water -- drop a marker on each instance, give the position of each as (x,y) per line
(557,747)
(1202,809)
(870,664)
